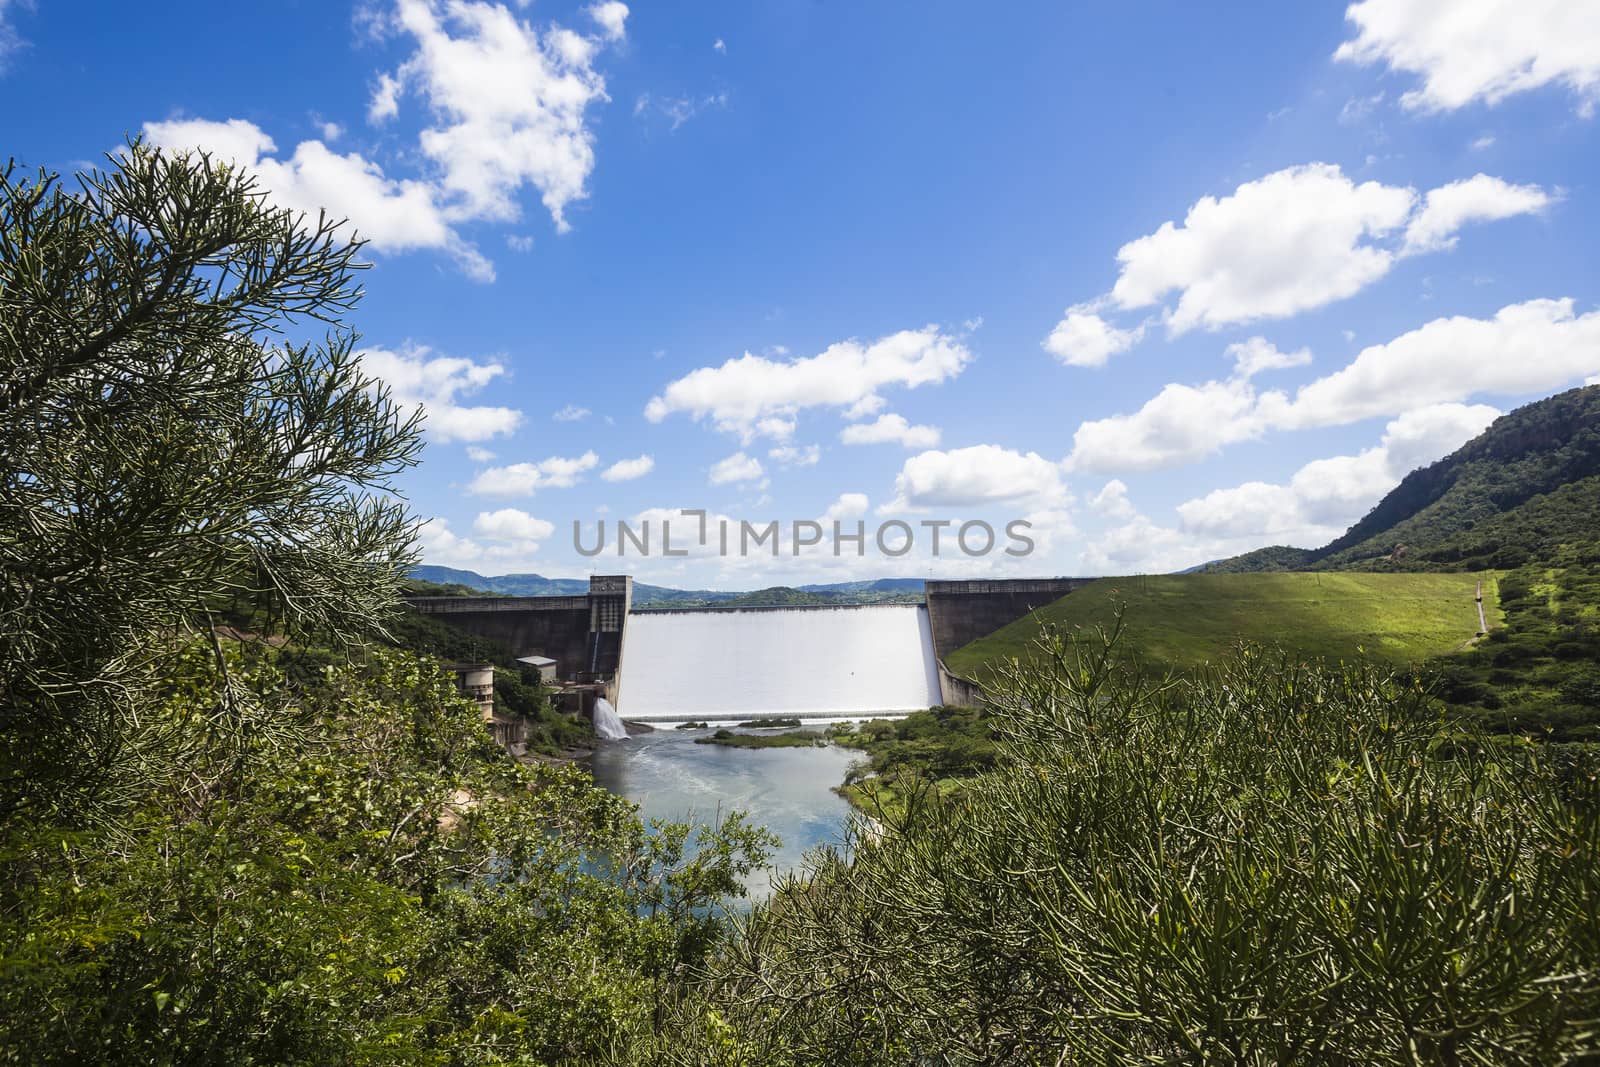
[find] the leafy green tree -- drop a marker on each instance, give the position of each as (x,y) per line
(169,449)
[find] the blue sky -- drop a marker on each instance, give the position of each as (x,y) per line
(1168,281)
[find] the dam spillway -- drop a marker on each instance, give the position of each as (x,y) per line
(748,662)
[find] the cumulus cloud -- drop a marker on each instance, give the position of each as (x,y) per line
(1083,339)
(890,429)
(1294,240)
(436,383)
(848,506)
(571,413)
(736,468)
(396,215)
(611,16)
(479,455)
(1112,501)
(755,396)
(524,479)
(1479,198)
(1257,354)
(1326,496)
(509,104)
(505,550)
(626,470)
(1530,347)
(977,475)
(510,524)
(1533,347)
(795,456)
(1479,50)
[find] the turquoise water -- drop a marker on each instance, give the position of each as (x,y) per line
(787,790)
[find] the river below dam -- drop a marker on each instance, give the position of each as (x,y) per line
(787,790)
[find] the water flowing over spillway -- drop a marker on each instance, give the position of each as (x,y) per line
(778,661)
(607,723)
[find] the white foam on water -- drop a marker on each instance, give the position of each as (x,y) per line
(836,662)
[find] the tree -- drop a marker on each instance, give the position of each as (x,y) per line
(170,448)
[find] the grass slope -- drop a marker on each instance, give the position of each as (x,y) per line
(1181,620)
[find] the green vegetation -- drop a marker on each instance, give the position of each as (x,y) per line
(1539,675)
(780,722)
(1262,863)
(518,690)
(791,739)
(1179,621)
(298,847)
(934,748)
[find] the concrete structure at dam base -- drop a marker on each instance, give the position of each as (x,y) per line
(586,635)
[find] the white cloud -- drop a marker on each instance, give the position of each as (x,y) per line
(1294,240)
(626,470)
(848,506)
(1083,339)
(509,105)
(890,429)
(395,215)
(611,16)
(720,46)
(1251,357)
(519,242)
(1483,143)
(1526,348)
(793,456)
(736,468)
(1326,496)
(980,474)
(479,455)
(1180,424)
(571,413)
(677,109)
(509,524)
(755,396)
(1479,198)
(1534,347)
(1471,50)
(417,377)
(10,43)
(331,131)
(1112,501)
(524,479)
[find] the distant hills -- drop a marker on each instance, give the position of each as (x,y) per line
(882,590)
(1527,485)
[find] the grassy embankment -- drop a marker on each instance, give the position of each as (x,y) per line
(1174,623)
(1179,621)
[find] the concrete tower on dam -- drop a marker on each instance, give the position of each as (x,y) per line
(586,635)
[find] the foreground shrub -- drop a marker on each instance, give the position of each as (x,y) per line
(1267,863)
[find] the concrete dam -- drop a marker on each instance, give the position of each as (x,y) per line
(739,663)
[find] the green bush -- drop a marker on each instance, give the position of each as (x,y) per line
(1268,863)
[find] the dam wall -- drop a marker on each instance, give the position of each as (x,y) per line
(961,612)
(583,634)
(735,663)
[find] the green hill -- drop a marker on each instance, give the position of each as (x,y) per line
(1518,491)
(1181,620)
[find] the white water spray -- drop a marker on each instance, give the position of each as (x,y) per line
(607,723)
(868,659)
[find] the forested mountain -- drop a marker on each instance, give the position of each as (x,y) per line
(1519,491)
